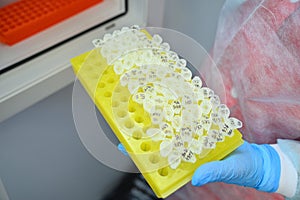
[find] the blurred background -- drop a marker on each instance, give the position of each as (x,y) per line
(41,155)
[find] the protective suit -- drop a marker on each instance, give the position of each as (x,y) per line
(257,50)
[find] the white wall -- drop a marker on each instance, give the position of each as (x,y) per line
(41,155)
(196,18)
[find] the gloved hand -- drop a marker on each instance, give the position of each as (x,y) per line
(250,165)
(122,149)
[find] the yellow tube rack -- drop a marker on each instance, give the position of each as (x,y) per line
(129,121)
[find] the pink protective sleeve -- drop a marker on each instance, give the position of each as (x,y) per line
(257,50)
(260,66)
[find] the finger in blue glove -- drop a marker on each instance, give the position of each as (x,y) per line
(122,149)
(250,165)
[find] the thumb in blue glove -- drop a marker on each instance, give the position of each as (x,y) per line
(250,165)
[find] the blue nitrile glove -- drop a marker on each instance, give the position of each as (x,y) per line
(122,149)
(250,165)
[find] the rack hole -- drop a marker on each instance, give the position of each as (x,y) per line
(131,109)
(163,171)
(146,146)
(154,159)
(139,119)
(107,94)
(115,104)
(111,80)
(122,114)
(129,124)
(137,135)
(124,98)
(118,89)
(101,85)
